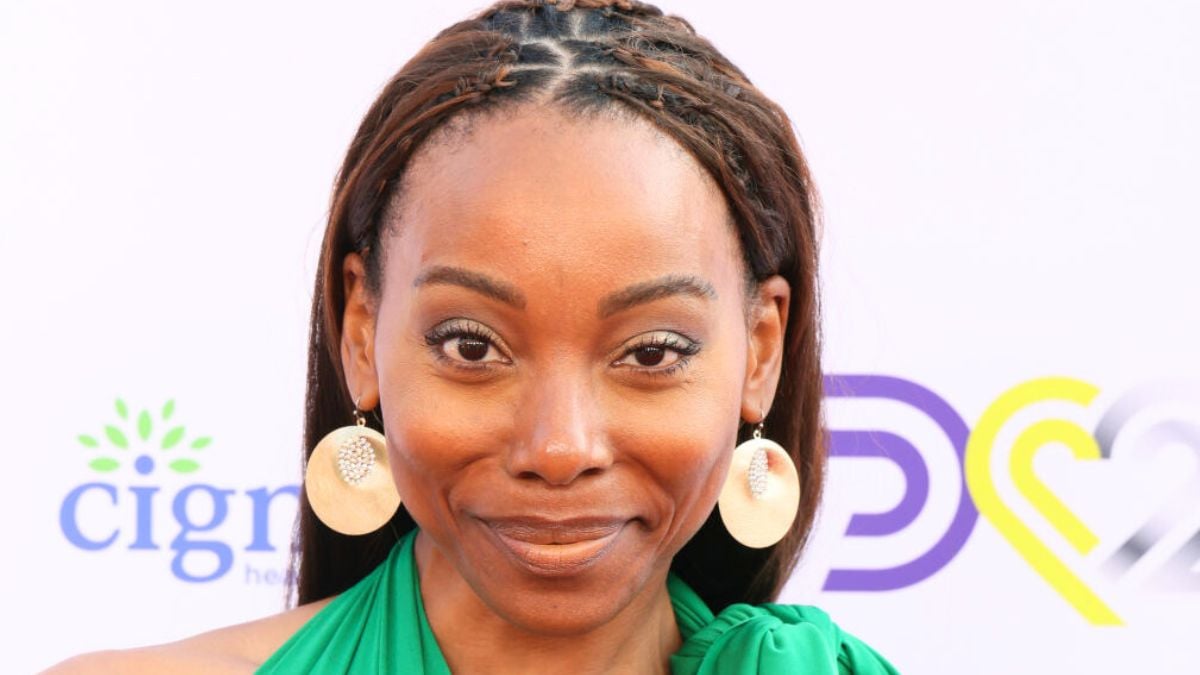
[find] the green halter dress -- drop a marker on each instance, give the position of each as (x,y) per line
(379,626)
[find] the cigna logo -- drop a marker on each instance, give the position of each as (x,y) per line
(142,463)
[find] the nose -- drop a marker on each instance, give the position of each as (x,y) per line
(557,438)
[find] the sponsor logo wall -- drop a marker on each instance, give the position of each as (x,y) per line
(94,514)
(1013,387)
(131,502)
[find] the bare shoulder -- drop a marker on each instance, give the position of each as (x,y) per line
(234,649)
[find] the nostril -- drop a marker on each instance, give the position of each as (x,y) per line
(541,477)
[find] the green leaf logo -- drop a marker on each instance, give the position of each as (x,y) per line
(172,438)
(116,436)
(139,436)
(104,464)
(144,425)
(184,465)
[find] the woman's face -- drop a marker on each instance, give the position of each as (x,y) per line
(562,353)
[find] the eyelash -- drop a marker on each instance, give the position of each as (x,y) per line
(459,328)
(685,348)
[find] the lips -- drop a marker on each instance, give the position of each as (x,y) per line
(555,547)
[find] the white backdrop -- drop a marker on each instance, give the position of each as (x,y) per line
(1010,196)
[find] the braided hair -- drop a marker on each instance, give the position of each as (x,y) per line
(585,57)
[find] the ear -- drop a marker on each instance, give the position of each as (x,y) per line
(764,348)
(358,334)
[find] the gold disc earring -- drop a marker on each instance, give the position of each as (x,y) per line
(348,479)
(761,496)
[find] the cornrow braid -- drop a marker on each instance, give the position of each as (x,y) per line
(586,56)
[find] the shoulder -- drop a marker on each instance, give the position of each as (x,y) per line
(233,649)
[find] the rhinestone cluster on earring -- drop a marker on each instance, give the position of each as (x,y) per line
(355,460)
(355,456)
(756,475)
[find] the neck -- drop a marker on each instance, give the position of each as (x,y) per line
(474,639)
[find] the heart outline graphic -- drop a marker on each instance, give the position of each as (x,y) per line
(1177,573)
(977,466)
(1082,446)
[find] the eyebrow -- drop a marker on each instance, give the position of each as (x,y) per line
(480,283)
(655,289)
(619,301)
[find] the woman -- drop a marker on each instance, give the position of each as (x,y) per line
(572,248)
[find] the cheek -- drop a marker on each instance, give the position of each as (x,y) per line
(437,435)
(680,450)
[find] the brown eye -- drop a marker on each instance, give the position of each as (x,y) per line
(472,349)
(658,352)
(649,356)
(466,344)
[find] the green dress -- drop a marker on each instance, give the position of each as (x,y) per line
(379,626)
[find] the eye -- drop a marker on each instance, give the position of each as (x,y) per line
(658,352)
(469,348)
(465,343)
(649,356)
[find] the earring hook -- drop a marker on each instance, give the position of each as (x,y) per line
(358,416)
(762,418)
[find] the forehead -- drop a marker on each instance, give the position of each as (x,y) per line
(538,195)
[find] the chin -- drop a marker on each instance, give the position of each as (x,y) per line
(559,614)
(558,588)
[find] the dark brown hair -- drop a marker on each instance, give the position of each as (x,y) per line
(585,56)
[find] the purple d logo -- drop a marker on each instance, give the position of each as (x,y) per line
(906,456)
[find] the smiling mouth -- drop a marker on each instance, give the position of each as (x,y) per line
(555,548)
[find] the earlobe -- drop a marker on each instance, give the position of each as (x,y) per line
(358,334)
(765,346)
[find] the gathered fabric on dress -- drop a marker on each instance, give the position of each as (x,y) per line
(379,626)
(767,638)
